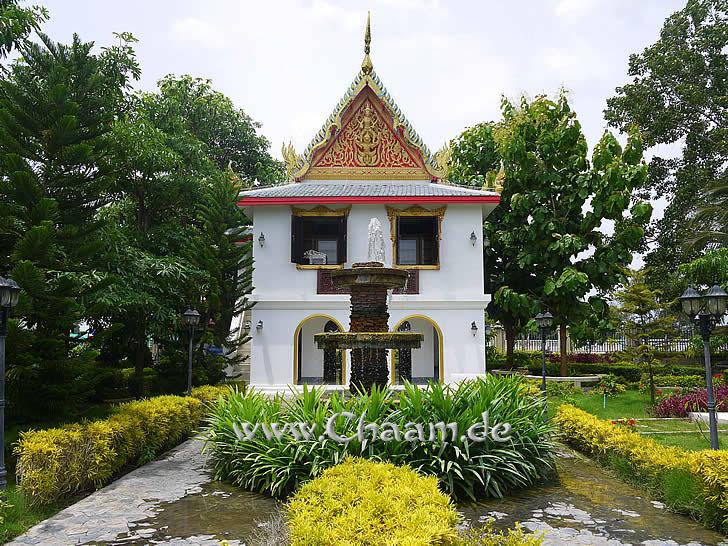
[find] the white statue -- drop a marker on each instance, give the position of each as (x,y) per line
(376,241)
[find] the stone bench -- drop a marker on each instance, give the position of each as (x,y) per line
(578,381)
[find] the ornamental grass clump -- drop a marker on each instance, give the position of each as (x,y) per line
(464,468)
(371,503)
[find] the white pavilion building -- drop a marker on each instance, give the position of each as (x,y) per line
(366,162)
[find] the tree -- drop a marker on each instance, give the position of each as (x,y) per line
(16,24)
(57,105)
(558,202)
(644,317)
(677,96)
(475,159)
(230,136)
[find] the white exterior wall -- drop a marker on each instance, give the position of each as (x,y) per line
(452,296)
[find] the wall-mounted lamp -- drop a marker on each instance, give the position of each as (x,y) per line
(246,326)
(259,326)
(261,239)
(473,238)
(474,328)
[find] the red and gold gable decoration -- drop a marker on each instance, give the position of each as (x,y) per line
(368,146)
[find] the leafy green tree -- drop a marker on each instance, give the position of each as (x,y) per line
(150,230)
(475,159)
(644,318)
(230,136)
(17,23)
(57,105)
(678,96)
(558,203)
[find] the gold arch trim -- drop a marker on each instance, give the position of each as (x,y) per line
(320,210)
(440,339)
(296,356)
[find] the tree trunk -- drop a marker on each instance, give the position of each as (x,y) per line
(564,371)
(510,332)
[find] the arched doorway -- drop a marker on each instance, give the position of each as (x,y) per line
(424,364)
(312,365)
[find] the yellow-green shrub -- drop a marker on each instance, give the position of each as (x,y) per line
(650,461)
(489,536)
(58,462)
(210,393)
(365,502)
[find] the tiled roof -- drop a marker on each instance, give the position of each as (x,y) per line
(363,189)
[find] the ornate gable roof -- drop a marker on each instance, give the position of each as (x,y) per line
(366,137)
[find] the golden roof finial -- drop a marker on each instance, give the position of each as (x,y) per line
(366,64)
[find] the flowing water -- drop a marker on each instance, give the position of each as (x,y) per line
(582,505)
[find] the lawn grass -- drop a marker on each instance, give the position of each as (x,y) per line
(21,516)
(634,404)
(628,404)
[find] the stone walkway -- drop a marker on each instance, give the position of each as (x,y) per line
(173,501)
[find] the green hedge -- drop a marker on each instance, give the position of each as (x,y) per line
(57,462)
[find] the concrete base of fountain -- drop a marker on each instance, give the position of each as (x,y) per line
(369,337)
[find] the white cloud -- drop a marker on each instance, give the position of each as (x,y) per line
(571,10)
(198,32)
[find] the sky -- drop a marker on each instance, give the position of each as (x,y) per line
(446,63)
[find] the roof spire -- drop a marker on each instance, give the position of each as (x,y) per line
(366,64)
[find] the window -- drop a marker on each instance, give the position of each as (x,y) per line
(418,239)
(322,234)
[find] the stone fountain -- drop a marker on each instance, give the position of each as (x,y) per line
(369,337)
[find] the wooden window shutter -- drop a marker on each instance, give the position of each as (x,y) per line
(435,241)
(296,239)
(342,240)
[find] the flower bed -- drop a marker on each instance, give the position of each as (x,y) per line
(465,469)
(693,482)
(58,462)
(679,404)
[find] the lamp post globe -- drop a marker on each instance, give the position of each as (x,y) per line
(716,301)
(9,293)
(691,302)
(191,317)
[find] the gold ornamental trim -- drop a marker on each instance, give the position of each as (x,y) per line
(368,173)
(320,210)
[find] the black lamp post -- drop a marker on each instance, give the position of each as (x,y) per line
(544,321)
(192,319)
(707,311)
(9,294)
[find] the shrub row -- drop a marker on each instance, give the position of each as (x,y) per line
(466,469)
(58,462)
(692,482)
(671,380)
(367,502)
(628,371)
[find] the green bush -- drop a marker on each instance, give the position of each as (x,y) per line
(682,381)
(464,468)
(58,462)
(206,370)
(609,385)
(368,502)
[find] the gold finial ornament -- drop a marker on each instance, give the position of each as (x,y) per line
(442,160)
(291,158)
(366,64)
(500,178)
